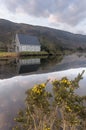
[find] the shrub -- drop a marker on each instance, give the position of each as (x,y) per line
(51,111)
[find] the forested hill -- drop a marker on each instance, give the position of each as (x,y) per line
(49,37)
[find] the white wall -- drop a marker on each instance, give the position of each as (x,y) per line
(29,61)
(20,47)
(17,47)
(29,48)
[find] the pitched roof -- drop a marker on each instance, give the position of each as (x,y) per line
(28,40)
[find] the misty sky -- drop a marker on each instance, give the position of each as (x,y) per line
(69,15)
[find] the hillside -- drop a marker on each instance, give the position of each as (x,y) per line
(49,37)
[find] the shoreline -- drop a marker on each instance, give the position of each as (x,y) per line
(7,55)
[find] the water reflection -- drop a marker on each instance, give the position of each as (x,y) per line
(8,68)
(12,92)
(13,67)
(28,65)
(34,65)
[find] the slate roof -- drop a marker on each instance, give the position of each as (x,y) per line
(28,40)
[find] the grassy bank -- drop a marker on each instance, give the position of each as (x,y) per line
(8,54)
(41,53)
(21,54)
(26,54)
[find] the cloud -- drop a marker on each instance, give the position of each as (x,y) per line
(70,12)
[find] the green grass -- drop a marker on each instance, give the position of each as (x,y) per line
(20,54)
(41,53)
(8,54)
(26,53)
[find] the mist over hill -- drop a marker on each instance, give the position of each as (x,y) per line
(53,38)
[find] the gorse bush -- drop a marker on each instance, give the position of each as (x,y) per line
(51,111)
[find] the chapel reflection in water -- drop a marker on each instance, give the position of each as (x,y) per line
(28,65)
(13,67)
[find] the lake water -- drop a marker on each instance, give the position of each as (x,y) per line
(18,75)
(37,65)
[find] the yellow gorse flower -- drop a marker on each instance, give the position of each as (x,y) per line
(43,85)
(65,81)
(46,128)
(68,109)
(38,88)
